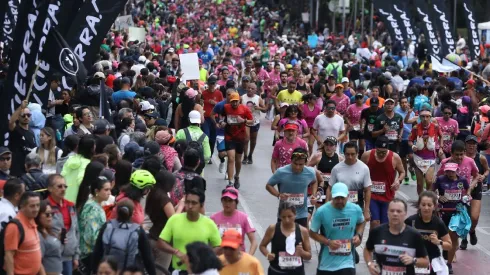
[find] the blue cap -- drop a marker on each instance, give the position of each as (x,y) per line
(339,189)
(428,79)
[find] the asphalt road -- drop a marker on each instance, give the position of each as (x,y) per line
(261,207)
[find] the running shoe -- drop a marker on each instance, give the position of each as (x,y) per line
(450,268)
(230,184)
(464,244)
(210,161)
(473,238)
(414,177)
(406,181)
(245,160)
(250,161)
(237,183)
(221,168)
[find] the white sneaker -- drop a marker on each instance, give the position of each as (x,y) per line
(221,168)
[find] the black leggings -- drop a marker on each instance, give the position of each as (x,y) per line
(344,271)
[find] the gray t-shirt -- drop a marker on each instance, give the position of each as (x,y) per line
(51,253)
(356,176)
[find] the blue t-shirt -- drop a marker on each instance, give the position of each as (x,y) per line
(120,95)
(407,127)
(295,184)
(218,109)
(206,56)
(458,83)
(337,225)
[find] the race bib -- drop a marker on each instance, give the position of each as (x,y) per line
(453,195)
(356,127)
(425,163)
(343,250)
(225,227)
(378,187)
(326,177)
(353,196)
(392,135)
(421,270)
(393,270)
(289,261)
(446,137)
(370,127)
(296,199)
(232,119)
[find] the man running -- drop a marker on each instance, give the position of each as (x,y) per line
(389,124)
(368,119)
(328,124)
(256,105)
(383,165)
(290,96)
(236,117)
(405,151)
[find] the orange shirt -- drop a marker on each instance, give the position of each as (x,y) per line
(27,257)
(381,101)
(217,96)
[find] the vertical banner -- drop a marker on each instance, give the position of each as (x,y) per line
(25,48)
(428,27)
(9,20)
(402,12)
(471,24)
(443,24)
(390,22)
(90,26)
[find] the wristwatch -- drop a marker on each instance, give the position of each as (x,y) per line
(441,242)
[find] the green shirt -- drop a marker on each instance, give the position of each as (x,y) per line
(179,231)
(91,219)
(196,133)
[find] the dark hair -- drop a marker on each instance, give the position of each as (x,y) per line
(180,146)
(52,178)
(301,151)
(42,209)
(165,181)
(191,157)
(291,108)
(429,194)
(112,151)
(111,261)
(79,112)
(126,122)
(101,158)
(70,144)
(86,146)
(91,175)
(197,192)
(26,196)
(202,257)
(330,102)
(351,144)
(123,170)
(283,205)
(153,164)
(458,146)
(132,269)
(395,200)
(98,184)
(12,187)
(445,106)
(125,211)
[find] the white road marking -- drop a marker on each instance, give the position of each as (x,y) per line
(403,195)
(483,230)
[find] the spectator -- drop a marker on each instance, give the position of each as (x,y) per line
(9,203)
(34,179)
(47,150)
(70,146)
(5,162)
(201,259)
(51,247)
(107,266)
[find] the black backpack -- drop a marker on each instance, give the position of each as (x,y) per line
(2,241)
(196,145)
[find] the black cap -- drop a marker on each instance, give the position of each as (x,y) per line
(331,139)
(4,150)
(471,138)
(212,80)
(125,80)
(331,76)
(161,122)
(101,125)
(382,142)
(374,101)
(152,148)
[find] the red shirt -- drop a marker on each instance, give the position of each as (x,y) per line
(217,96)
(64,208)
(236,131)
(382,177)
(157,48)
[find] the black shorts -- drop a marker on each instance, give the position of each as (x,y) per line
(255,128)
(405,149)
(476,194)
(355,135)
(235,145)
(343,271)
(393,146)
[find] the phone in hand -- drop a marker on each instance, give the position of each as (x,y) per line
(63,236)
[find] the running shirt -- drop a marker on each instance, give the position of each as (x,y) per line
(426,229)
(290,98)
(466,168)
(452,190)
(450,130)
(339,225)
(395,124)
(342,103)
(207,95)
(370,118)
(382,176)
(234,130)
(251,102)
(354,115)
(407,127)
(310,115)
(283,150)
(426,137)
(388,247)
(238,221)
(356,177)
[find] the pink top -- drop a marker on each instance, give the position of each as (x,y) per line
(310,115)
(342,103)
(466,168)
(450,130)
(238,221)
(353,113)
(283,150)
(138,212)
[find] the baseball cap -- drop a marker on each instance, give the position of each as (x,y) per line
(100,126)
(234,97)
(171,50)
(195,117)
(125,80)
(387,75)
(345,79)
(151,115)
(212,80)
(152,147)
(339,86)
(331,76)
(471,81)
(374,101)
(142,59)
(246,78)
(359,95)
(339,189)
(291,126)
(231,238)
(230,192)
(451,166)
(390,99)
(145,106)
(471,138)
(382,142)
(284,104)
(161,122)
(4,150)
(330,139)
(99,75)
(428,80)
(191,93)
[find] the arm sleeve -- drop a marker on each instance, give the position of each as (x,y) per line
(372,239)
(274,179)
(333,177)
(247,225)
(145,250)
(275,151)
(367,177)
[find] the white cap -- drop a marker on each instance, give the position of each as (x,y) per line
(171,50)
(195,117)
(345,79)
(145,106)
(252,49)
(142,59)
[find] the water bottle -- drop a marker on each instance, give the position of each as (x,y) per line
(58,135)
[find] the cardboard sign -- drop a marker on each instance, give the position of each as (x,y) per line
(189,65)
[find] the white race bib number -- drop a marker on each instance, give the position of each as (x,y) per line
(392,135)
(296,199)
(446,137)
(378,187)
(225,227)
(421,270)
(370,127)
(231,119)
(289,261)
(326,177)
(424,163)
(393,270)
(356,127)
(453,195)
(353,196)
(343,250)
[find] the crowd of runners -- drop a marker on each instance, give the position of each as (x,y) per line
(353,118)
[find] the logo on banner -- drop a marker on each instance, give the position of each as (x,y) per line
(68,61)
(394,24)
(430,29)
(474,33)
(406,23)
(447,30)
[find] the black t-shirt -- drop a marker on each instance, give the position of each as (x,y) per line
(395,125)
(425,229)
(370,118)
(388,247)
(21,142)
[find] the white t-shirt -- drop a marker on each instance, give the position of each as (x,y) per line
(356,176)
(51,111)
(328,126)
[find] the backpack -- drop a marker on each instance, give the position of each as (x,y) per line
(335,73)
(120,240)
(196,145)
(2,240)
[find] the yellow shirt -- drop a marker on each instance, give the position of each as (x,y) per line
(203,75)
(290,98)
(248,264)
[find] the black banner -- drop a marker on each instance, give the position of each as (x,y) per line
(23,56)
(443,23)
(9,22)
(90,26)
(3,11)
(428,27)
(471,24)
(389,20)
(401,11)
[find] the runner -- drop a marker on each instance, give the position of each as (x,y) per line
(353,120)
(368,120)
(397,247)
(211,96)
(389,124)
(284,148)
(341,226)
(449,128)
(405,151)
(290,96)
(383,165)
(256,105)
(328,124)
(310,112)
(236,117)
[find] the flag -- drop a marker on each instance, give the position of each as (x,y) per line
(471,24)
(3,12)
(23,57)
(104,109)
(390,22)
(428,28)
(9,20)
(62,59)
(90,26)
(444,65)
(443,24)
(404,19)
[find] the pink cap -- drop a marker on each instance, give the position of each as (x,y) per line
(451,166)
(484,109)
(230,192)
(191,93)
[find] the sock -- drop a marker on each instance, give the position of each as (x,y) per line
(222,159)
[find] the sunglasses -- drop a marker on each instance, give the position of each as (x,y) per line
(330,108)
(26,115)
(62,186)
(48,215)
(5,159)
(448,113)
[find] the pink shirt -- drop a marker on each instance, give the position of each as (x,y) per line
(450,130)
(342,103)
(310,115)
(238,221)
(283,150)
(354,114)
(466,168)
(300,122)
